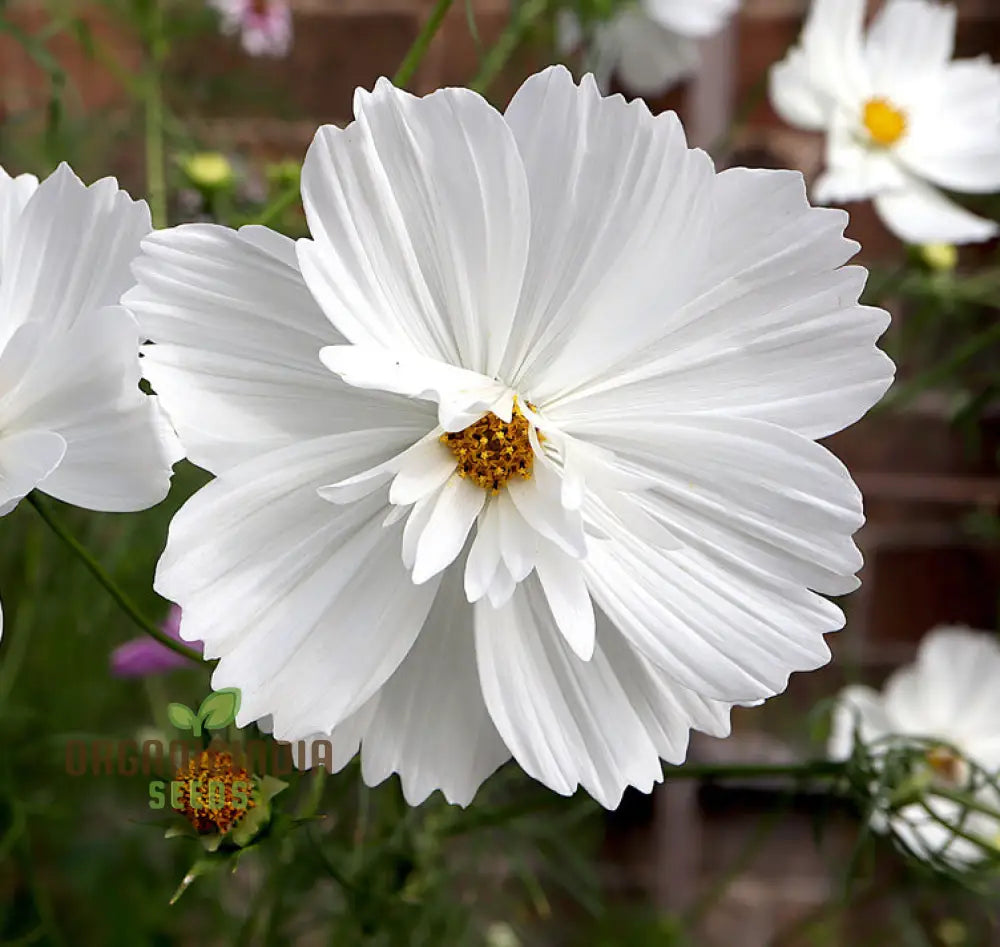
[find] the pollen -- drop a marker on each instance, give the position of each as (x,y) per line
(491,451)
(886,124)
(215,793)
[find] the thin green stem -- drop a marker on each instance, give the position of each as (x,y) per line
(100,573)
(498,57)
(279,205)
(421,44)
(156,162)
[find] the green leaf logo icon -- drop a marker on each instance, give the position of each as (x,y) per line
(218,710)
(180,716)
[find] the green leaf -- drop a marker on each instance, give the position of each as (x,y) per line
(219,709)
(180,716)
(201,867)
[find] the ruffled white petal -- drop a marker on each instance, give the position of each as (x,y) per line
(71,252)
(26,459)
(14,195)
(238,335)
(308,604)
(455,509)
(773,331)
(602,724)
(595,291)
(419,217)
(859,715)
(430,723)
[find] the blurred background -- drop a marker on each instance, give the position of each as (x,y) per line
(723,864)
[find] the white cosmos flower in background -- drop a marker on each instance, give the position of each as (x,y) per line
(649,44)
(902,118)
(516,456)
(949,700)
(73,422)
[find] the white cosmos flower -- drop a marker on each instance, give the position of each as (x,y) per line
(902,118)
(73,421)
(563,288)
(648,44)
(949,695)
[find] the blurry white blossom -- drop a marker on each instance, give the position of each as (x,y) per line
(902,118)
(648,44)
(945,707)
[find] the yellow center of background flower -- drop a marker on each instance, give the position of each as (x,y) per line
(885,123)
(491,451)
(946,764)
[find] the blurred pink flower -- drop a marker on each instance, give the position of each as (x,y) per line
(143,656)
(264,26)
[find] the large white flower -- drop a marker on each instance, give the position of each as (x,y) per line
(73,421)
(902,118)
(556,493)
(949,701)
(648,44)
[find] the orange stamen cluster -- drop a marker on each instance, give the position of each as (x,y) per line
(491,451)
(200,772)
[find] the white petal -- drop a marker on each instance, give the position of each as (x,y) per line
(484,554)
(596,294)
(455,510)
(463,396)
(563,581)
(954,140)
(859,713)
(518,541)
(430,724)
(697,18)
(538,502)
(567,722)
(754,480)
(910,42)
(69,252)
(84,384)
(238,335)
(14,195)
(774,331)
(652,56)
(825,69)
(419,213)
(423,470)
(920,214)
(307,603)
(26,459)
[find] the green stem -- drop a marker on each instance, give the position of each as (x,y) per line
(498,57)
(156,168)
(964,353)
(421,44)
(279,205)
(102,576)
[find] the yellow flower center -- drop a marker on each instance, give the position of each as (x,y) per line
(946,765)
(886,124)
(491,451)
